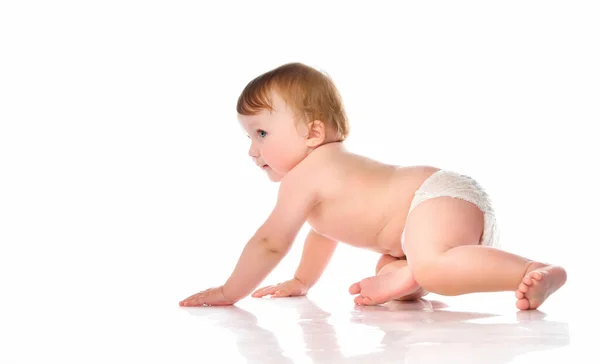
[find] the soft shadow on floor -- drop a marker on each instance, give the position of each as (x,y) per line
(420,331)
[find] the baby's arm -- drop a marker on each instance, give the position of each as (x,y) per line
(268,246)
(317,253)
(274,239)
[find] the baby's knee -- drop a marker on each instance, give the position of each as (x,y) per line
(384,260)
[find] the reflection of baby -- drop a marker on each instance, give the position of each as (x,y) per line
(405,331)
(435,228)
(427,335)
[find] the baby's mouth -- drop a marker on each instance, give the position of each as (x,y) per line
(265,166)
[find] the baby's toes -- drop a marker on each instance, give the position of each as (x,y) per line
(523,304)
(527,280)
(365,301)
(536,275)
(523,287)
(519,294)
(355,288)
(368,301)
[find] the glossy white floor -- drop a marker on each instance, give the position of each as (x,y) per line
(124,310)
(313,330)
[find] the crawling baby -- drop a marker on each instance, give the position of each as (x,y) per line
(435,228)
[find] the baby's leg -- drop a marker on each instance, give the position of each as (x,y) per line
(392,282)
(442,244)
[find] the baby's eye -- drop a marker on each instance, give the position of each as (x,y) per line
(261,133)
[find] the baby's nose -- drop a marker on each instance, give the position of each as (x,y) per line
(253,152)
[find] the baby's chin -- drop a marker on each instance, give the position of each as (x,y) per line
(274,176)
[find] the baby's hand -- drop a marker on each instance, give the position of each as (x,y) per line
(290,288)
(209,297)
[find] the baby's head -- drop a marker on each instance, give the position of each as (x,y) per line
(288,112)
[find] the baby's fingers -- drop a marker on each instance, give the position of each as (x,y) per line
(283,292)
(264,291)
(197,299)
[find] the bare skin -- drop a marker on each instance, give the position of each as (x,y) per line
(349,198)
(539,282)
(393,281)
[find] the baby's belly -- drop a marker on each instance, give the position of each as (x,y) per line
(390,238)
(383,239)
(381,233)
(348,233)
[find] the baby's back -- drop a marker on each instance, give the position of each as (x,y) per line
(363,202)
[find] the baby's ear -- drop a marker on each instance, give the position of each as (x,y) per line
(316,133)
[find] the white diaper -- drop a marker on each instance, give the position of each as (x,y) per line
(446,183)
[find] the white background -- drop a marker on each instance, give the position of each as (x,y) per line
(125,184)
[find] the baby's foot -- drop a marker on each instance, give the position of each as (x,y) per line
(395,284)
(539,282)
